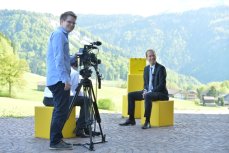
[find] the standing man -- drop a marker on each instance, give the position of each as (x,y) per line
(154,89)
(58,78)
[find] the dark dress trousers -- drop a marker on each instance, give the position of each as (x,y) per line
(159,91)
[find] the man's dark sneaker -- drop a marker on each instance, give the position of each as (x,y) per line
(128,122)
(61,146)
(67,143)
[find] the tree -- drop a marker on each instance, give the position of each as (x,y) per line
(213,92)
(12,68)
(200,91)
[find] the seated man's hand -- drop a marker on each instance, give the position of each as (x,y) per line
(67,86)
(144,92)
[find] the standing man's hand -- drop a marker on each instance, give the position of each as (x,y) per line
(67,86)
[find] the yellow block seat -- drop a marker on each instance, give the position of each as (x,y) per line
(137,65)
(135,82)
(43,117)
(137,113)
(162,113)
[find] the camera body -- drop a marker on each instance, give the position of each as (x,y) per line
(87,59)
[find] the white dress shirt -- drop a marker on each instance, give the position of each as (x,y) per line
(47,93)
(74,83)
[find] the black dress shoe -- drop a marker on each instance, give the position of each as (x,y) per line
(146,125)
(81,134)
(128,122)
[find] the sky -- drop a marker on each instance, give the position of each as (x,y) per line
(107,7)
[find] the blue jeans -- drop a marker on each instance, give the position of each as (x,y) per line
(60,112)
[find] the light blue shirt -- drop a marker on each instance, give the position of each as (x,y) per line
(58,58)
(151,71)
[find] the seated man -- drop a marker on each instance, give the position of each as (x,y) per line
(48,97)
(154,89)
(81,129)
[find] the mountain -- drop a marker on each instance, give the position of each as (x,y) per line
(29,33)
(194,43)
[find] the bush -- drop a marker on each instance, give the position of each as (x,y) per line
(4,94)
(197,101)
(123,85)
(220,101)
(106,104)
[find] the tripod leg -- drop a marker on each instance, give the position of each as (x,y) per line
(96,111)
(74,98)
(91,146)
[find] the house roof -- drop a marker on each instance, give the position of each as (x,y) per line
(173,91)
(192,91)
(208,98)
(226,97)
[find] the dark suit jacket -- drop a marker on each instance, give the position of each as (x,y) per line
(159,78)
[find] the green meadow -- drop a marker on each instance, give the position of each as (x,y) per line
(27,96)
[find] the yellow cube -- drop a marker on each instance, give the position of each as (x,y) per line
(43,117)
(135,82)
(137,113)
(162,113)
(137,65)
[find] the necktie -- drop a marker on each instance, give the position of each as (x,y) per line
(150,79)
(152,75)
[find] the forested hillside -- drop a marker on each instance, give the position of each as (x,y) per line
(194,43)
(29,33)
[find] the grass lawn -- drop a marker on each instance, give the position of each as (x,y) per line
(10,107)
(190,105)
(25,98)
(113,93)
(29,90)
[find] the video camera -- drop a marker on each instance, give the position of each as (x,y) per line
(87,58)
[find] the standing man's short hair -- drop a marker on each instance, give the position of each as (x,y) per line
(150,50)
(66,14)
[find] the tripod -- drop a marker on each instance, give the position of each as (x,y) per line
(91,110)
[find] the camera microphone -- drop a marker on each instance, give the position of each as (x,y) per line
(90,46)
(97,43)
